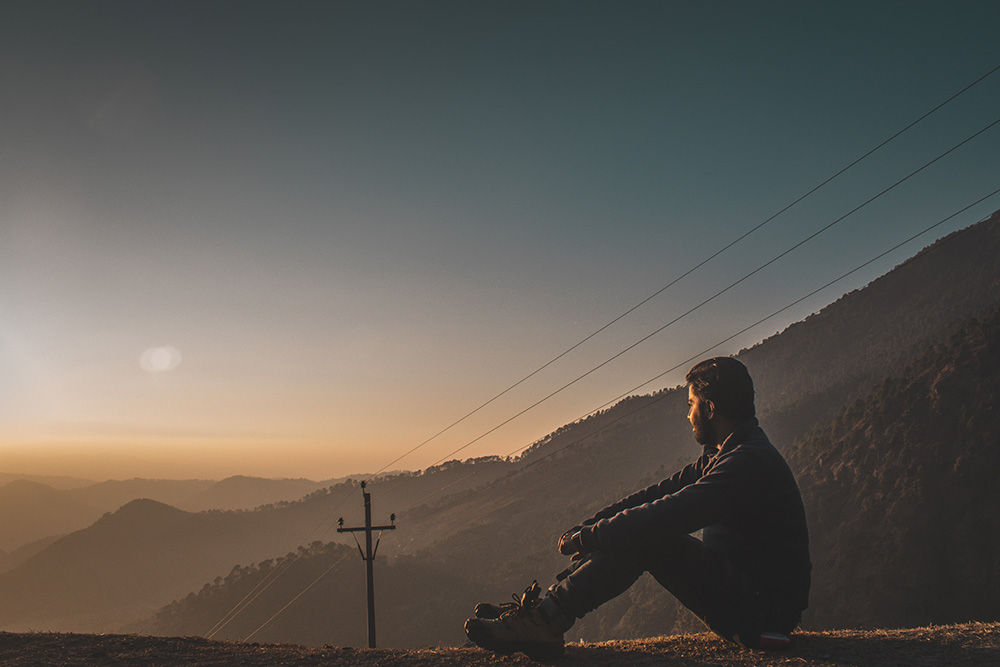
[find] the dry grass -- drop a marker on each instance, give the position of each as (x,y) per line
(966,645)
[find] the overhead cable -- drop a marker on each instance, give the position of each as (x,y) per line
(707,350)
(683,275)
(717,294)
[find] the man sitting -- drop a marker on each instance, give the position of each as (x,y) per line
(747,579)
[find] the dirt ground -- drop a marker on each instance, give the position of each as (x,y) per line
(966,645)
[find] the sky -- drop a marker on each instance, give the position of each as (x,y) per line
(299,239)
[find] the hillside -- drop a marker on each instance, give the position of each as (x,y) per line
(411,595)
(901,495)
(969,645)
(137,559)
(31,509)
(807,372)
(8,561)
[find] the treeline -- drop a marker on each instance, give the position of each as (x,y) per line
(418,602)
(901,495)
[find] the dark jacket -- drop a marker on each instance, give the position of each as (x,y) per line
(744,497)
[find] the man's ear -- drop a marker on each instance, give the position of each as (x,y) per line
(710,409)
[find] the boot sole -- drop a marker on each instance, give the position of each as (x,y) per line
(534,650)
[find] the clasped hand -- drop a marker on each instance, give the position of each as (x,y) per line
(570,542)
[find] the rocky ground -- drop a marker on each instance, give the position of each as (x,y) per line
(966,645)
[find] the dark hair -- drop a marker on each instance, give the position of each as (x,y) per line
(727,383)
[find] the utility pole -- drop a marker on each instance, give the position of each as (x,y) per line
(368,555)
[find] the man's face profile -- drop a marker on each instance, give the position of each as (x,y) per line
(700,413)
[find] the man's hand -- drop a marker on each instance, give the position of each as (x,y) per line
(570,542)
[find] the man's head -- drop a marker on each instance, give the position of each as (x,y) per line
(720,393)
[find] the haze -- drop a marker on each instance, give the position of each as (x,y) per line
(300,239)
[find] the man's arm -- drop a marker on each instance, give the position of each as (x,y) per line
(688,475)
(570,542)
(730,487)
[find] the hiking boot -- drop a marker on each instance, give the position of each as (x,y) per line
(522,627)
(528,598)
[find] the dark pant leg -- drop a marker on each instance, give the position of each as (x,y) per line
(599,577)
(702,579)
(708,583)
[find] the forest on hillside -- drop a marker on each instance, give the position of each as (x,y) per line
(900,490)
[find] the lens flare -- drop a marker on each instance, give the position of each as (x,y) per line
(160,359)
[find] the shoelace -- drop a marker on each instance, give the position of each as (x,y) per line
(526,600)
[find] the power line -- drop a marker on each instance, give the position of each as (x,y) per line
(684,275)
(272,575)
(692,358)
(294,599)
(717,294)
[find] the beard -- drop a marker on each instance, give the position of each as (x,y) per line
(704,431)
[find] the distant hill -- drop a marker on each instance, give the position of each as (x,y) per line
(146,554)
(112,494)
(30,511)
(138,558)
(8,561)
(55,481)
(241,492)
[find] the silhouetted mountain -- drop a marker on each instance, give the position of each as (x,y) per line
(8,561)
(55,481)
(30,511)
(139,558)
(194,495)
(112,494)
(144,555)
(242,492)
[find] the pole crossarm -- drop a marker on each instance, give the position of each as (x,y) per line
(364,528)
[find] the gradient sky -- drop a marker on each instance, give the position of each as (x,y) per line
(298,239)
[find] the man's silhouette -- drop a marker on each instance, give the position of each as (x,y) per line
(747,578)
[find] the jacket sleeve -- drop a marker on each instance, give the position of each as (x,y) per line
(727,489)
(688,475)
